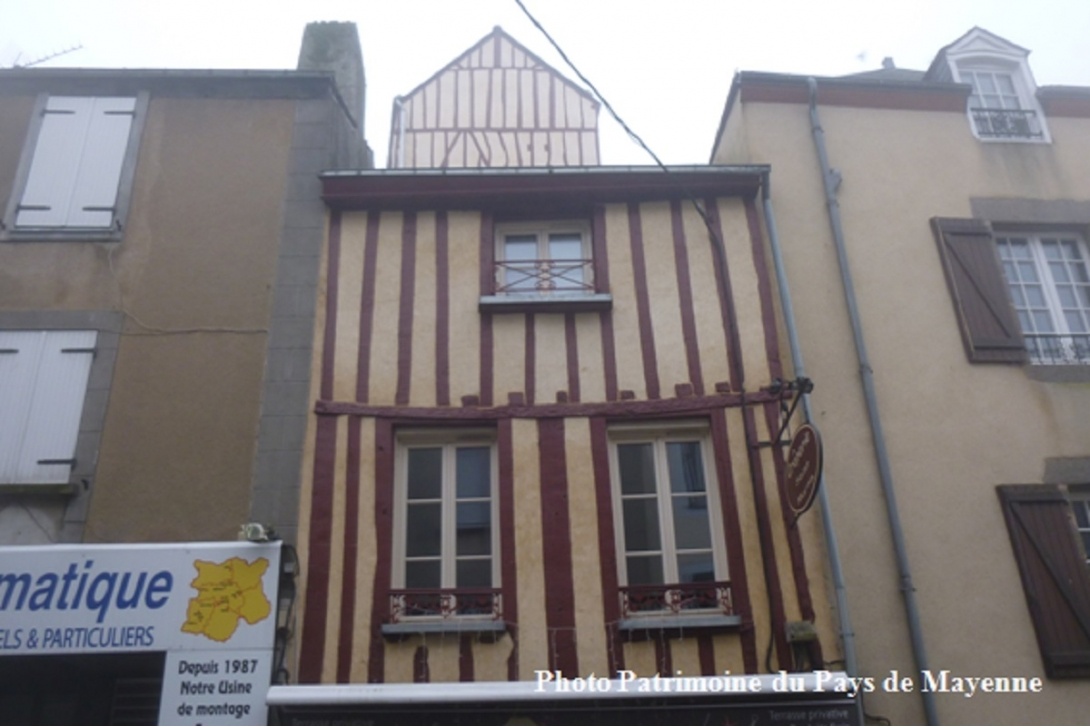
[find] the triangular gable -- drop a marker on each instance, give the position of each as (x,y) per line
(495,105)
(976,41)
(499,50)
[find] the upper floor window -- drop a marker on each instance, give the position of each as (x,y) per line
(43,384)
(669,536)
(548,259)
(1000,105)
(77,167)
(1049,286)
(445,540)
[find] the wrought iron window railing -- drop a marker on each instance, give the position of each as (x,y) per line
(1006,123)
(544,276)
(1058,348)
(677,598)
(444,603)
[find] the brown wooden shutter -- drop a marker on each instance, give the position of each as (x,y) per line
(1055,576)
(989,325)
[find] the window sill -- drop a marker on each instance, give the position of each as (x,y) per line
(26,488)
(1059,373)
(544,303)
(486,630)
(632,627)
(60,234)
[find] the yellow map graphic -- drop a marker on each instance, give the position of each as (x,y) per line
(226,591)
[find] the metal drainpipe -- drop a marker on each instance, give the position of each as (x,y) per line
(847,635)
(830,181)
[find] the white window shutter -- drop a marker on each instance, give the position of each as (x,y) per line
(76,170)
(19,354)
(46,392)
(94,196)
(56,162)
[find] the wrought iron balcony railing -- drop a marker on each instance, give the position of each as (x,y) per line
(677,599)
(1006,123)
(444,603)
(1057,348)
(544,276)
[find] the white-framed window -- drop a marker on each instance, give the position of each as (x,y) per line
(77,168)
(1080,508)
(43,384)
(1000,106)
(1049,284)
(446,536)
(669,534)
(544,259)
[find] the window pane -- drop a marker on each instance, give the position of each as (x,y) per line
(1035,295)
(641,524)
(695,568)
(644,569)
(422,574)
(1042,322)
(1059,272)
(474,472)
(474,528)
(520,248)
(686,468)
(423,529)
(691,522)
(476,573)
(425,473)
(637,464)
(1067,296)
(565,246)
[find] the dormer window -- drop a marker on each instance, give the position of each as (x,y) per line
(1002,105)
(998,107)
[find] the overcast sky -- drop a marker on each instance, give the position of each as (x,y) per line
(665,66)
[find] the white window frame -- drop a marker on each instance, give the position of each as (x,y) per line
(1079,498)
(968,71)
(1045,307)
(448,441)
(43,386)
(658,435)
(552,277)
(76,171)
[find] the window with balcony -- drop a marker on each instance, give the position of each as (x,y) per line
(1018,296)
(998,109)
(446,565)
(544,265)
(551,259)
(1049,285)
(670,544)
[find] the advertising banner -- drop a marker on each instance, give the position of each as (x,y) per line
(210,606)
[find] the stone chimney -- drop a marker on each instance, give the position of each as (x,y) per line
(335,46)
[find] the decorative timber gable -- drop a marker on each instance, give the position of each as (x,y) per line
(496,105)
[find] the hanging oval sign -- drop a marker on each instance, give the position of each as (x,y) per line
(804,460)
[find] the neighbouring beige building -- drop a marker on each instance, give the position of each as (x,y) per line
(959,199)
(159,249)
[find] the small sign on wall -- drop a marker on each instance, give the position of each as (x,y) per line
(804,462)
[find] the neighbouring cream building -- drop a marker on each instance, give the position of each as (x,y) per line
(934,229)
(545,442)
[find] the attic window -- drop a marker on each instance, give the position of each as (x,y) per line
(1000,107)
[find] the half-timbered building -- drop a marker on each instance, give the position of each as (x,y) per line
(496,105)
(542,448)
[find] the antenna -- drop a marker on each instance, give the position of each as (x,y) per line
(47,57)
